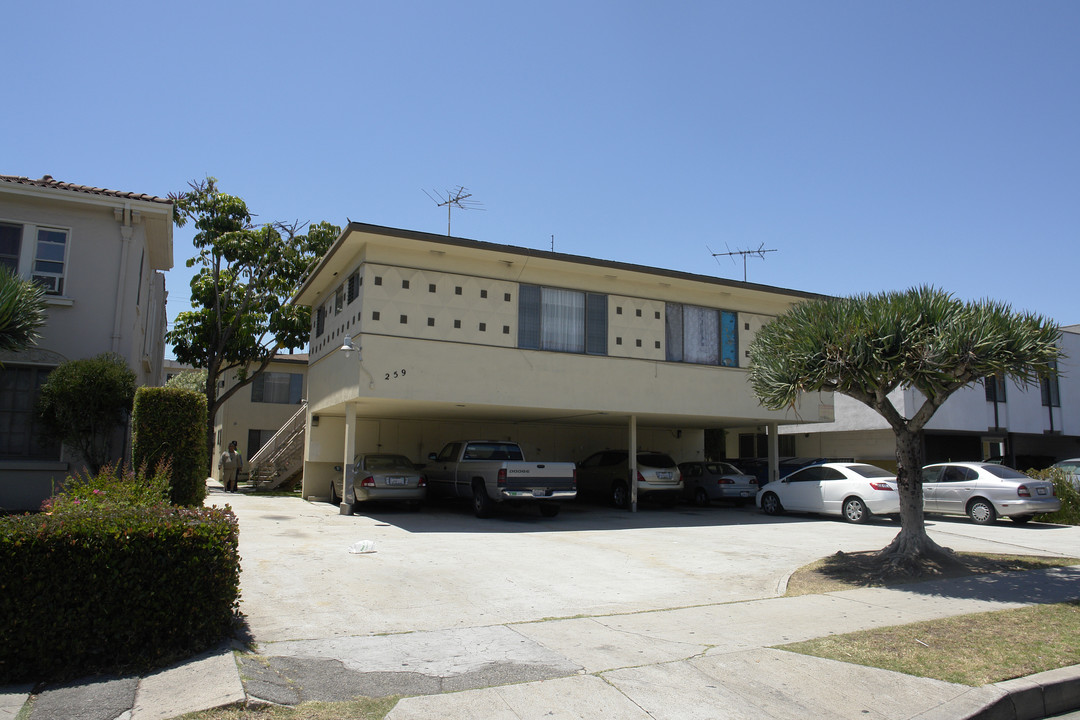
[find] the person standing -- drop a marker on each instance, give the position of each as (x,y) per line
(230,464)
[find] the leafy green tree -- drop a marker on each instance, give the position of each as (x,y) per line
(868,346)
(22,311)
(194,380)
(240,316)
(84,402)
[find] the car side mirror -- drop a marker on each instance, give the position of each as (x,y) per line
(432,456)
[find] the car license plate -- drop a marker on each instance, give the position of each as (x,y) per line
(1042,491)
(395,481)
(663,476)
(539,492)
(744,493)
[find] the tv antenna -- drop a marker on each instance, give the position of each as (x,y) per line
(455,198)
(760,252)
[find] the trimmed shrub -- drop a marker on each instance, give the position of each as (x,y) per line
(169,424)
(110,587)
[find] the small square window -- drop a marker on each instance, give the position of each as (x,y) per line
(618,310)
(506,297)
(657,315)
(483,293)
(404,319)
(457,324)
(638,342)
(431,287)
(375,315)
(657,344)
(404,284)
(457,290)
(618,341)
(431,322)
(746,326)
(483,327)
(378,280)
(506,329)
(638,312)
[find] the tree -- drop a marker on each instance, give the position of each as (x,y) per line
(867,346)
(22,311)
(194,380)
(83,402)
(240,316)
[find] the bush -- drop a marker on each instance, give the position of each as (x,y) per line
(170,424)
(1067,492)
(107,586)
(120,487)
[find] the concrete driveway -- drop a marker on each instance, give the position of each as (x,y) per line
(442,568)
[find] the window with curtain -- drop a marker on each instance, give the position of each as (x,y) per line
(278,387)
(701,335)
(1048,387)
(562,320)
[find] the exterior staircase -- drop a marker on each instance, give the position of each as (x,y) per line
(280,462)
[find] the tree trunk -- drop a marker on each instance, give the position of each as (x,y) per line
(912,550)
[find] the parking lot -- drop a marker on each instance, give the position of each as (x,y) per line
(442,568)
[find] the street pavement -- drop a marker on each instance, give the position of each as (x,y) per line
(664,613)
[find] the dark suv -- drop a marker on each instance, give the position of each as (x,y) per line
(606,475)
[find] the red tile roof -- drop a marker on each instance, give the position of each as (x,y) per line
(48,182)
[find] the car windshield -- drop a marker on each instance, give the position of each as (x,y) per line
(870,471)
(1005,473)
(656,460)
(387,462)
(1069,466)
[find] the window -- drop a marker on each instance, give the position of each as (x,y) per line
(320,320)
(10,245)
(20,436)
(256,439)
(339,299)
(701,335)
(562,320)
(353,287)
(995,388)
(1048,387)
(278,387)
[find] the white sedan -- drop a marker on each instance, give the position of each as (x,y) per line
(855,491)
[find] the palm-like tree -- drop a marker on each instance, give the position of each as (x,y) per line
(22,311)
(867,346)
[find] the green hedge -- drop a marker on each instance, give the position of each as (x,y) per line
(170,424)
(114,588)
(1067,492)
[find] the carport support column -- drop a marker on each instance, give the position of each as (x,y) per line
(774,452)
(633,463)
(347,495)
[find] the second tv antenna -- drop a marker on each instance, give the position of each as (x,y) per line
(455,198)
(760,252)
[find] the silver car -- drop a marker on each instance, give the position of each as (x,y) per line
(1071,468)
(983,491)
(705,482)
(605,475)
(382,476)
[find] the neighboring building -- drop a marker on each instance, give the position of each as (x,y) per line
(993,419)
(255,413)
(100,255)
(564,354)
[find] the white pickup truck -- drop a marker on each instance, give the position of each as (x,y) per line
(493,472)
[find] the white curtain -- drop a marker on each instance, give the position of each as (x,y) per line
(701,335)
(563,322)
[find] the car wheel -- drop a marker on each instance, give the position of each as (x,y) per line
(1021,519)
(855,511)
(981,512)
(770,504)
(549,509)
(701,498)
(482,504)
(620,495)
(334,499)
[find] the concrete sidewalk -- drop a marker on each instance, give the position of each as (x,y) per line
(665,614)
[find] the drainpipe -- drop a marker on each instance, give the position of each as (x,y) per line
(124,217)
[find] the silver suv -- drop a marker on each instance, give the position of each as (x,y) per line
(606,475)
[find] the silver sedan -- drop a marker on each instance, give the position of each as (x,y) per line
(704,482)
(382,476)
(983,491)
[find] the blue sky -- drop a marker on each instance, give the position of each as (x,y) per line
(872,145)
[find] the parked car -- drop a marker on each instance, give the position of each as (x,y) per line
(855,491)
(705,482)
(759,467)
(606,475)
(382,476)
(983,491)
